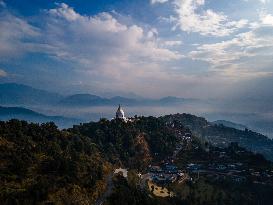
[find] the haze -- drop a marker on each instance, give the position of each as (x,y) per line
(220,51)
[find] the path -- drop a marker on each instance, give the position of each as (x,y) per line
(108,191)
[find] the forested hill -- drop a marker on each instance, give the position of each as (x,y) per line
(221,136)
(41,164)
(134,144)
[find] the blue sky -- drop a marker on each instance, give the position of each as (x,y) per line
(153,48)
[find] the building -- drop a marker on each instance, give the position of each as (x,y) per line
(120,113)
(123,172)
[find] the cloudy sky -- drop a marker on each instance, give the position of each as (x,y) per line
(153,48)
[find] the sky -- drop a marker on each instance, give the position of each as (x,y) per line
(151,48)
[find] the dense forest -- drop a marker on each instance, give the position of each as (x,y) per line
(135,143)
(40,164)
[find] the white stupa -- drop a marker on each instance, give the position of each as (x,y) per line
(120,114)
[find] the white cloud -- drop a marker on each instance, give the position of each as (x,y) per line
(87,38)
(266,19)
(111,53)
(15,35)
(240,51)
(173,43)
(64,11)
(158,1)
(71,36)
(191,18)
(247,54)
(264,1)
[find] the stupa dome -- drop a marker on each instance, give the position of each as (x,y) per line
(120,113)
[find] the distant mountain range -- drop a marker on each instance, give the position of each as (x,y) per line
(17,94)
(12,94)
(230,124)
(93,100)
(7,113)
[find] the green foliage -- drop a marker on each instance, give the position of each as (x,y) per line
(119,140)
(39,164)
(126,194)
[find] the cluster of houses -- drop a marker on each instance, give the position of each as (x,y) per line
(218,171)
(222,167)
(237,172)
(165,174)
(169,173)
(229,167)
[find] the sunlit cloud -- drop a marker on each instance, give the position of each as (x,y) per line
(192,18)
(266,19)
(189,44)
(238,53)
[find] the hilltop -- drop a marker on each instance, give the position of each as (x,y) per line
(230,124)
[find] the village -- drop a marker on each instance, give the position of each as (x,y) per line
(160,176)
(222,164)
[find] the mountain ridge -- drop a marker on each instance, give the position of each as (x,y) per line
(227,123)
(12,94)
(19,94)
(221,135)
(7,113)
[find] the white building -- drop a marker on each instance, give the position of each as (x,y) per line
(120,114)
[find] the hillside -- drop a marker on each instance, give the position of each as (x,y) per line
(43,165)
(230,124)
(7,113)
(220,135)
(132,144)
